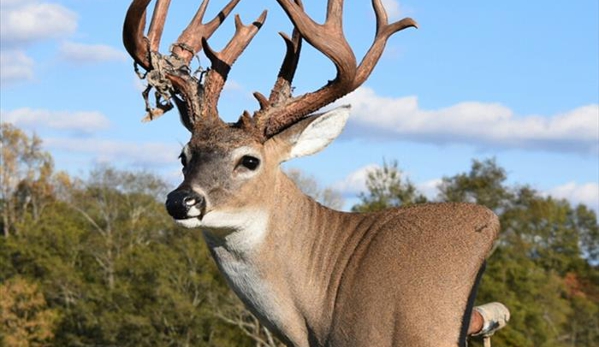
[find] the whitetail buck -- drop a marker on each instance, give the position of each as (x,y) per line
(314,276)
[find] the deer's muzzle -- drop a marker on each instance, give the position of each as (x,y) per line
(184,204)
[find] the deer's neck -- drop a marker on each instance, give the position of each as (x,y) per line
(283,263)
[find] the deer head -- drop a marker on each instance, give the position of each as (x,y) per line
(231,167)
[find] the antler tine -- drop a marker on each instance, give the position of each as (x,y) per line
(133,33)
(223,60)
(281,90)
(157,23)
(334,9)
(383,32)
(190,41)
(328,38)
(282,87)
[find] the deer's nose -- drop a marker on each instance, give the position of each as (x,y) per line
(183,204)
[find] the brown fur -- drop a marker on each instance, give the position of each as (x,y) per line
(396,278)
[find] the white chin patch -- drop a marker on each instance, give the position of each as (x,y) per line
(189,222)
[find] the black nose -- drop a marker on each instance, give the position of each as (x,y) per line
(179,202)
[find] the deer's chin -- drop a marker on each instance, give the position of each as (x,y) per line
(190,223)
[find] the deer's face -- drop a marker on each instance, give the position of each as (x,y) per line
(224,173)
(230,177)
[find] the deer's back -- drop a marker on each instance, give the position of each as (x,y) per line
(410,277)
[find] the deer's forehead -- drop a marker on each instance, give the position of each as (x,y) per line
(222,140)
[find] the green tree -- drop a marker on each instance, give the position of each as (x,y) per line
(484,185)
(146,282)
(585,221)
(121,210)
(387,187)
(25,176)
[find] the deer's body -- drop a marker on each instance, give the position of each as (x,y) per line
(324,284)
(316,277)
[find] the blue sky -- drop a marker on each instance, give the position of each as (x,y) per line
(514,80)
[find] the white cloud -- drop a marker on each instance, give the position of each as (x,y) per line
(233,86)
(587,193)
(7,3)
(84,53)
(477,123)
(22,22)
(15,66)
(393,9)
(80,121)
(355,182)
(430,188)
(114,151)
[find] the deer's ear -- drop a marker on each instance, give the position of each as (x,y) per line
(312,134)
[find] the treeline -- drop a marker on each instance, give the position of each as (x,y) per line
(98,262)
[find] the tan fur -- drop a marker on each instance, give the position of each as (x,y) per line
(318,277)
(395,278)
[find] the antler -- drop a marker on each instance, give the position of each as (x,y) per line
(171,75)
(281,110)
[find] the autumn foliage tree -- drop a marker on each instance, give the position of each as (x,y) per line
(25,318)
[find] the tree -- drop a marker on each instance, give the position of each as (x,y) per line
(308,184)
(585,220)
(25,319)
(484,185)
(387,187)
(24,177)
(121,210)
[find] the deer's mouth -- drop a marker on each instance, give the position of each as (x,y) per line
(193,216)
(193,222)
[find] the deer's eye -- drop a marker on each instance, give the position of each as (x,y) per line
(249,162)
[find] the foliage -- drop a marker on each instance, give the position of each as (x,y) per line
(25,319)
(106,264)
(484,184)
(387,187)
(24,176)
